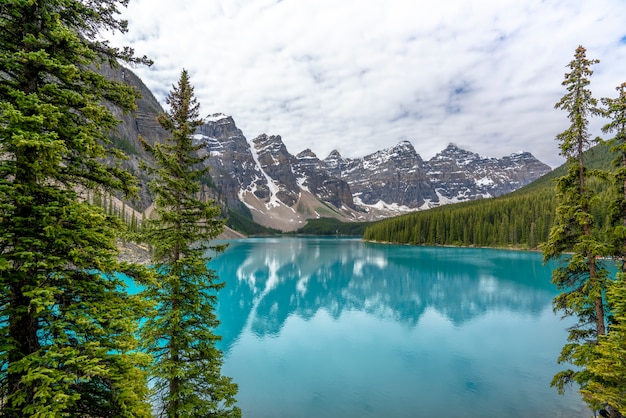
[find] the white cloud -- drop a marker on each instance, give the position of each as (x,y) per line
(359,76)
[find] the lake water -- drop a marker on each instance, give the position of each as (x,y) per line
(340,328)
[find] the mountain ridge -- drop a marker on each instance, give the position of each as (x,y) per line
(385,183)
(264,182)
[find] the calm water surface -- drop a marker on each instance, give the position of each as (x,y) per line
(340,328)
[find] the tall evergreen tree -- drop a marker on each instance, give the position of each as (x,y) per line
(67,333)
(187,370)
(608,367)
(615,110)
(580,277)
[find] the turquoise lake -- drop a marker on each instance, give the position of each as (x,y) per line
(341,328)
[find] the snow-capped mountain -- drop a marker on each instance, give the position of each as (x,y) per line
(457,174)
(260,176)
(261,179)
(282,190)
(393,179)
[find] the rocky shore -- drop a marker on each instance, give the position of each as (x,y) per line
(131,252)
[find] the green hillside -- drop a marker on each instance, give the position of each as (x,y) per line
(520,219)
(244,224)
(332,226)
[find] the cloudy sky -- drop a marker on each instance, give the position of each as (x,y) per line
(361,75)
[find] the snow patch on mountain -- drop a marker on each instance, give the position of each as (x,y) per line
(273,188)
(216,117)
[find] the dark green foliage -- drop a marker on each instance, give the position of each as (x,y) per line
(67,332)
(124,145)
(517,220)
(615,109)
(332,226)
(180,335)
(607,367)
(244,224)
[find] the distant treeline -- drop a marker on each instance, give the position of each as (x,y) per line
(332,226)
(520,219)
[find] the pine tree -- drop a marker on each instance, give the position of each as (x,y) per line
(580,277)
(608,388)
(608,367)
(68,330)
(187,368)
(616,111)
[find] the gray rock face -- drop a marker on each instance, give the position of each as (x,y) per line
(395,175)
(264,167)
(457,174)
(278,166)
(399,176)
(396,178)
(320,181)
(140,122)
(233,168)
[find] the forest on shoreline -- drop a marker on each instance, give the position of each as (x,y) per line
(521,219)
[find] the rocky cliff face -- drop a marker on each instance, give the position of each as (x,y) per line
(280,190)
(384,183)
(457,174)
(317,178)
(394,177)
(398,179)
(277,166)
(140,122)
(233,168)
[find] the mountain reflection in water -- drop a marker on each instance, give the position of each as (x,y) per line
(341,328)
(291,276)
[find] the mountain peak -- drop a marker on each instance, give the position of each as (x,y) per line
(402,151)
(334,155)
(307,153)
(404,144)
(453,152)
(216,117)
